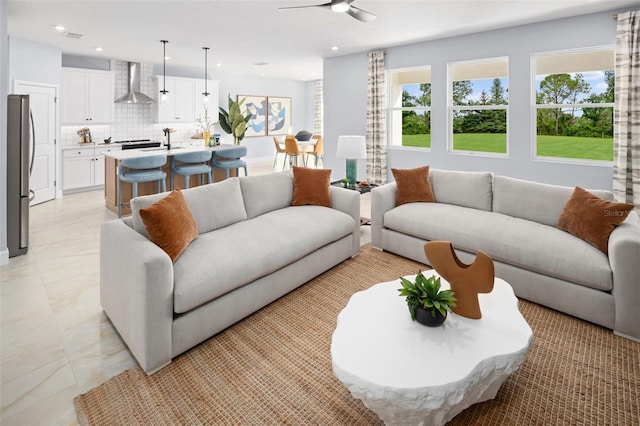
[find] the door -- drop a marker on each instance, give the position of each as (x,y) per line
(42,100)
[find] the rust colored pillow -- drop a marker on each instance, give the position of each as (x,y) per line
(591,218)
(170,224)
(311,187)
(412,185)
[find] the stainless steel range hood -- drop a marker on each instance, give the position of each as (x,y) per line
(134,96)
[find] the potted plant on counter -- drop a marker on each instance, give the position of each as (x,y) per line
(205,123)
(232,121)
(427,303)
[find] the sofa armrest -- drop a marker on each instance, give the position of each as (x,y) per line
(624,253)
(136,292)
(348,201)
(383,199)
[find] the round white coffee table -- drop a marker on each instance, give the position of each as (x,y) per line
(411,374)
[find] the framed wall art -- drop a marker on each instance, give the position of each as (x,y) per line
(279,115)
(257,107)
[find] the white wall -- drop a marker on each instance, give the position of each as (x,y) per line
(4,91)
(348,75)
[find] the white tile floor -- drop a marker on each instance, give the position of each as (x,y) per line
(56,341)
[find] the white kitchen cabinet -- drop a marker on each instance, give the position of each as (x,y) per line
(86,96)
(83,167)
(185,101)
(180,104)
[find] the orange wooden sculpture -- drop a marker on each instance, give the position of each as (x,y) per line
(466,280)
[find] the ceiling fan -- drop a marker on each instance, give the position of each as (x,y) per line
(342,6)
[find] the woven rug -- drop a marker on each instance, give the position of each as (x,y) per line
(274,367)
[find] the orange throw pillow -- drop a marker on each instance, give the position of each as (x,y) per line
(412,185)
(311,187)
(170,224)
(591,218)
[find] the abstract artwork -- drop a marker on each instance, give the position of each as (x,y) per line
(279,115)
(257,107)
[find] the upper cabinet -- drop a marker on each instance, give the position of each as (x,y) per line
(86,96)
(184,101)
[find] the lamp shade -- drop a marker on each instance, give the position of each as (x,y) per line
(350,146)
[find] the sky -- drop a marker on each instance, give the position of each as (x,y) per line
(594,78)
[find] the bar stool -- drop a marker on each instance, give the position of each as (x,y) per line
(191,163)
(143,169)
(230,159)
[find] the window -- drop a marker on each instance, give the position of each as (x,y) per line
(410,107)
(574,94)
(478,105)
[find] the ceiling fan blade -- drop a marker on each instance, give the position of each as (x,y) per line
(304,7)
(360,15)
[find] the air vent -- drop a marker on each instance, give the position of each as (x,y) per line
(260,64)
(75,36)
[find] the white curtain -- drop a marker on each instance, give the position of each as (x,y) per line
(376,120)
(319,112)
(626,168)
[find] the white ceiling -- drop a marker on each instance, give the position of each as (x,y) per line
(242,33)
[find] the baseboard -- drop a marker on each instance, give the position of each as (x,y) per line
(4,256)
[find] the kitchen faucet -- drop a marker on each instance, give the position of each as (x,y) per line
(167,133)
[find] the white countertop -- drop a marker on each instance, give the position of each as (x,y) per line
(86,145)
(152,152)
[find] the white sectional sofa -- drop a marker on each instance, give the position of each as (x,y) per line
(252,248)
(514,222)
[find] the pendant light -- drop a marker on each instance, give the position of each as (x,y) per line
(205,94)
(164,90)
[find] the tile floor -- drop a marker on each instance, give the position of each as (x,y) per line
(56,341)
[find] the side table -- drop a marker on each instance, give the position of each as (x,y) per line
(361,190)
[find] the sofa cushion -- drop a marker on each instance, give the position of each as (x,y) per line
(412,185)
(225,259)
(522,243)
(205,202)
(311,187)
(170,224)
(466,189)
(265,193)
(591,218)
(539,202)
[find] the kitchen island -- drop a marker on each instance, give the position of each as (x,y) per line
(112,161)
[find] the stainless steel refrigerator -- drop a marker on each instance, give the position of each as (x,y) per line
(20,150)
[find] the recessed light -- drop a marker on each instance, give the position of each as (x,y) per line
(218,64)
(167,58)
(98,49)
(59,27)
(334,47)
(260,64)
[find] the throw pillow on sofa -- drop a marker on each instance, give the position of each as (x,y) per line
(311,187)
(591,218)
(412,185)
(170,224)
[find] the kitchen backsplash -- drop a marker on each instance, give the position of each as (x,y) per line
(131,121)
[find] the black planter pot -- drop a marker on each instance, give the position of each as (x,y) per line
(424,317)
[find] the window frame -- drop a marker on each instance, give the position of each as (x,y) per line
(391,109)
(535,106)
(451,108)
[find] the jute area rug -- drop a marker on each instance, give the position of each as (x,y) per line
(274,367)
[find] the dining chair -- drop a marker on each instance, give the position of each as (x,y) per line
(292,150)
(191,163)
(142,169)
(279,150)
(318,150)
(230,159)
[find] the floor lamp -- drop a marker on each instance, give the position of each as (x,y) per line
(352,148)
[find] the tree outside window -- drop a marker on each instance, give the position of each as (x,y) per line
(575,94)
(479,105)
(410,107)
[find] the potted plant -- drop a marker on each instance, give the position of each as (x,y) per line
(427,303)
(205,123)
(345,182)
(232,121)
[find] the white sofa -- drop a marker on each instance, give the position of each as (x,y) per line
(253,247)
(514,222)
